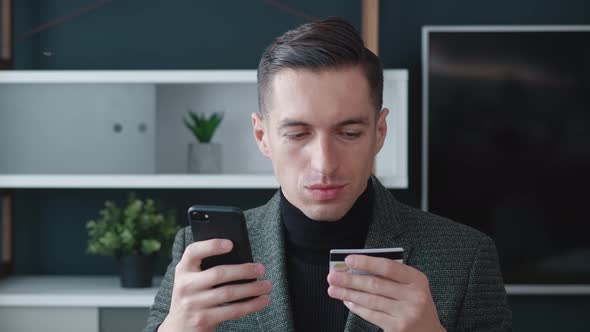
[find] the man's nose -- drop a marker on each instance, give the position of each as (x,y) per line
(324,155)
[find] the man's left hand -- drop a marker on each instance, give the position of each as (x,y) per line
(396,298)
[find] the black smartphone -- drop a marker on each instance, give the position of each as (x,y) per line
(221,222)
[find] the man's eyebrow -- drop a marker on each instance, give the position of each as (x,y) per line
(363,120)
(291,123)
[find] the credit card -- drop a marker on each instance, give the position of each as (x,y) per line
(337,257)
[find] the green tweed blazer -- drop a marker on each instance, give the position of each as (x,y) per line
(461,265)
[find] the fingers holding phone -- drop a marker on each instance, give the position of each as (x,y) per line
(191,278)
(229,292)
(215,272)
(195,252)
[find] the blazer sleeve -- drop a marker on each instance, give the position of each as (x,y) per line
(485,305)
(159,310)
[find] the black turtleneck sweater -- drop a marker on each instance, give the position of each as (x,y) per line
(308,251)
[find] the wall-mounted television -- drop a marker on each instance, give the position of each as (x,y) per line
(506,124)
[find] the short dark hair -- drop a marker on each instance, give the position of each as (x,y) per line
(331,43)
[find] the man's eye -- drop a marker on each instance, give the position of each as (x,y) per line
(351,134)
(296,136)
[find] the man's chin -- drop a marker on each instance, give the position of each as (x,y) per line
(325,212)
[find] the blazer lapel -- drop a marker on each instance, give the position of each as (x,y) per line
(268,248)
(385,229)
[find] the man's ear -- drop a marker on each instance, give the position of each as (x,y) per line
(381,131)
(260,134)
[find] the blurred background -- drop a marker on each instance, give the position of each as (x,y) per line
(490,106)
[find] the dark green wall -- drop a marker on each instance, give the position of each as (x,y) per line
(50,233)
(188,34)
(542,313)
(175,34)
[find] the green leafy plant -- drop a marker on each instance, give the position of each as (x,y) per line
(138,228)
(201,127)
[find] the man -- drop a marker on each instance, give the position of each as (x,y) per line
(321,124)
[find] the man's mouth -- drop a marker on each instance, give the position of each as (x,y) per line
(325,191)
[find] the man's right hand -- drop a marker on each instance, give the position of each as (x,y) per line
(196,305)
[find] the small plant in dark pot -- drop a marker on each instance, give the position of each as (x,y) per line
(204,156)
(134,234)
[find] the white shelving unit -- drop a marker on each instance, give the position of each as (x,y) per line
(33,303)
(57,129)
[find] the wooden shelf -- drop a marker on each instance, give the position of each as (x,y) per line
(147,76)
(105,291)
(157,181)
(138,181)
(73,291)
(128,76)
(521,289)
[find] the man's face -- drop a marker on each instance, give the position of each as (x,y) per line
(321,133)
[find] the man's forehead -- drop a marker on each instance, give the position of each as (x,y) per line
(293,76)
(300,94)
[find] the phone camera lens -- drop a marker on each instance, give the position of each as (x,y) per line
(195,215)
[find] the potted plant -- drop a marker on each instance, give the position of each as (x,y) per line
(134,234)
(204,156)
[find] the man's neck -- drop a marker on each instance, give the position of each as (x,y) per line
(348,232)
